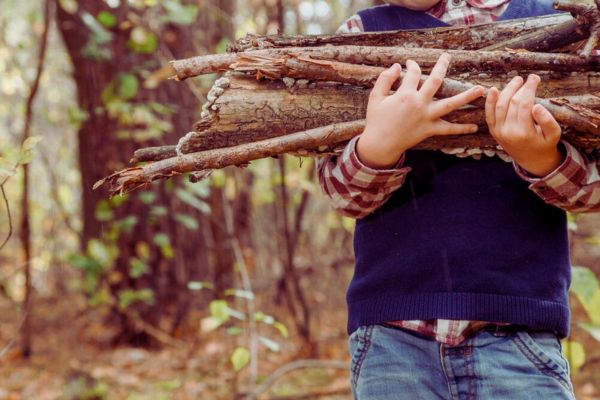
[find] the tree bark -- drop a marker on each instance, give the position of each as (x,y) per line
(101,151)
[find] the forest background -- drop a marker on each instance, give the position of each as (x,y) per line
(228,288)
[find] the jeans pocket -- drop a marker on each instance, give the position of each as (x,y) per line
(543,350)
(358,344)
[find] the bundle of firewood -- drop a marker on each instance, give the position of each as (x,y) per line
(307,95)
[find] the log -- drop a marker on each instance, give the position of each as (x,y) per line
(462,60)
(250,110)
(465,37)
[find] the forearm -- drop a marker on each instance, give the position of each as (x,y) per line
(573,186)
(354,189)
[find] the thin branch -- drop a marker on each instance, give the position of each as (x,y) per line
(287,368)
(470,36)
(323,137)
(25,226)
(247,285)
(10,225)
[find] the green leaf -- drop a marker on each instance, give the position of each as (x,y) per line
(219,310)
(7,168)
(102,253)
(209,324)
(127,224)
(103,211)
(158,211)
(128,86)
(147,197)
(107,19)
(283,330)
(188,221)
(31,142)
(168,385)
(592,329)
(244,294)
(137,267)
(262,317)
(99,34)
(583,283)
(234,330)
(128,297)
(222,45)
(270,344)
(192,200)
(178,13)
(574,353)
(141,41)
(240,358)
(108,94)
(198,285)
(164,243)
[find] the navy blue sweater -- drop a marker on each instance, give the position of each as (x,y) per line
(462,238)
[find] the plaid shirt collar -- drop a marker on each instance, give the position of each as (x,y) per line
(444,5)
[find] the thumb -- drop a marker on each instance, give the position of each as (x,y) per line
(547,122)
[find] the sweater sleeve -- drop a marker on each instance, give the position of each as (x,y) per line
(573,186)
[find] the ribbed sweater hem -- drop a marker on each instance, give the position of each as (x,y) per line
(532,312)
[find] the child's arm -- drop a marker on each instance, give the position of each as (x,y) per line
(394,123)
(559,174)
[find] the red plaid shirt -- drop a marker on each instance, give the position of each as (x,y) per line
(355,190)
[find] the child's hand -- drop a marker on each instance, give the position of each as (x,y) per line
(527,131)
(397,122)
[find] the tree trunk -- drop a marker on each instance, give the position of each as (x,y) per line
(102,149)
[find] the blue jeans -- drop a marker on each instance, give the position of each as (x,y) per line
(393,363)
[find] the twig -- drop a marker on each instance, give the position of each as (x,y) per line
(545,38)
(287,368)
(156,333)
(247,285)
(132,178)
(25,226)
(10,226)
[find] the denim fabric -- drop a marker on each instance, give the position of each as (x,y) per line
(392,363)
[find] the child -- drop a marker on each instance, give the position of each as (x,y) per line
(462,265)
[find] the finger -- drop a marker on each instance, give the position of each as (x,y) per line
(490,107)
(502,106)
(526,98)
(411,78)
(447,128)
(435,79)
(385,81)
(445,106)
(547,122)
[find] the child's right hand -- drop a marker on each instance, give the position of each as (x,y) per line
(398,122)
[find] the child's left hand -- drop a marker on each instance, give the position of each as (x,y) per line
(527,131)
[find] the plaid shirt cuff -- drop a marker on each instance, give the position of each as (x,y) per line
(573,186)
(373,175)
(355,190)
